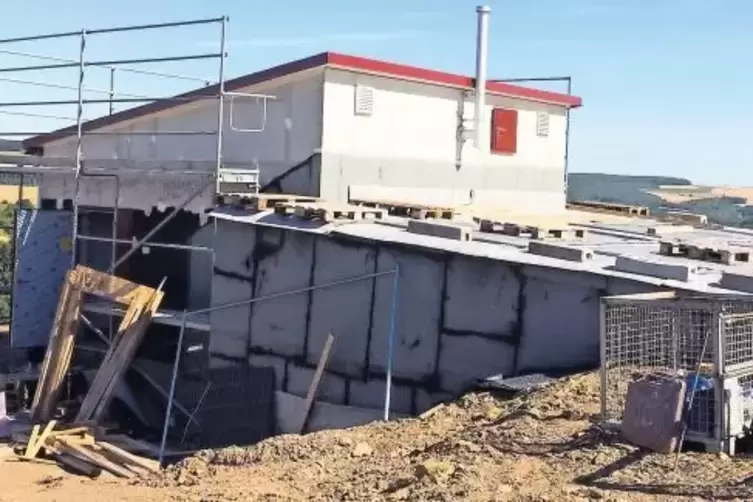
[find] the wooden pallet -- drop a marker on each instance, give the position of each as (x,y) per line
(408,210)
(534,232)
(606,207)
(329,213)
(262,201)
(80,449)
(726,255)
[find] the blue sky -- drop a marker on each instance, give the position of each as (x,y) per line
(665,83)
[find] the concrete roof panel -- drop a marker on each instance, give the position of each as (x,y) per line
(617,240)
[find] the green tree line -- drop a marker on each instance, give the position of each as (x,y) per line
(7,212)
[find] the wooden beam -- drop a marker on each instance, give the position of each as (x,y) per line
(92,457)
(130,346)
(314,387)
(53,343)
(112,287)
(129,458)
(116,360)
(77,464)
(40,440)
(31,442)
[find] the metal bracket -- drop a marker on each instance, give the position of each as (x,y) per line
(258,97)
(238,181)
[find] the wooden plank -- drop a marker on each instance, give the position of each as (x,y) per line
(68,332)
(31,442)
(133,445)
(40,440)
(77,464)
(92,457)
(71,431)
(314,387)
(102,378)
(53,343)
(431,411)
(130,458)
(120,354)
(110,286)
(136,335)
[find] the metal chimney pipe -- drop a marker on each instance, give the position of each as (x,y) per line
(482,42)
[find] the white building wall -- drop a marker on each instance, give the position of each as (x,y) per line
(291,133)
(409,148)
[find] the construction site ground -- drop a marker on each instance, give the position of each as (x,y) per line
(541,446)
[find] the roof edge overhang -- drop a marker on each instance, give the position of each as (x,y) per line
(324,59)
(427,76)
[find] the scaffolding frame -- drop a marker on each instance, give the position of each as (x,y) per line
(82,168)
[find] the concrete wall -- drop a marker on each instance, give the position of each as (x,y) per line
(200,269)
(411,140)
(292,133)
(459,318)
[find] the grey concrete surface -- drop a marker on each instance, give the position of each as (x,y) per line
(460,318)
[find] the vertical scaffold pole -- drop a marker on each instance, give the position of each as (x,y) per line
(79,145)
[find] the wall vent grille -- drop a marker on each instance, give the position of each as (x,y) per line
(364,105)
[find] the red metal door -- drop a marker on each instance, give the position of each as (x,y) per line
(504,131)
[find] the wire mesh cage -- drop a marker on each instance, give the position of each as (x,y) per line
(706,340)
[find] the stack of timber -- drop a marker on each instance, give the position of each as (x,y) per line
(142,303)
(83,451)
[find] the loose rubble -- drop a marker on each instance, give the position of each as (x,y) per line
(544,446)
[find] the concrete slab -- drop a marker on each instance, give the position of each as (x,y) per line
(560,251)
(269,361)
(655,268)
(436,228)
(342,310)
(560,325)
(482,296)
(419,301)
(233,251)
(425,399)
(739,281)
(371,395)
(229,334)
(323,415)
(331,387)
(465,359)
(653,413)
(278,325)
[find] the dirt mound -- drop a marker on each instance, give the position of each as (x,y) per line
(539,446)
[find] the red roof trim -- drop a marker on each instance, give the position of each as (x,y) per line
(343,61)
(438,77)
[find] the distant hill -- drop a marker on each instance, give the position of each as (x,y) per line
(731,206)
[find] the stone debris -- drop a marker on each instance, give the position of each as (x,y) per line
(542,445)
